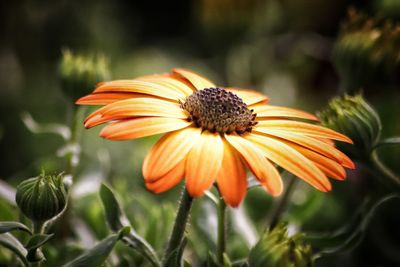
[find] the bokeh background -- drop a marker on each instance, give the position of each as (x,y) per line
(285,49)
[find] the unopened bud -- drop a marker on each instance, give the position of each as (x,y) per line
(42,198)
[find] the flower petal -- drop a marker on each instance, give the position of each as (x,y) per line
(150,87)
(203,163)
(269,111)
(105,98)
(171,149)
(291,160)
(328,166)
(136,128)
(310,143)
(302,128)
(171,82)
(135,107)
(169,180)
(249,97)
(196,80)
(231,180)
(264,171)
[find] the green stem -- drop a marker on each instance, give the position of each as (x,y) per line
(38,228)
(383,169)
(73,141)
(178,230)
(281,205)
(221,241)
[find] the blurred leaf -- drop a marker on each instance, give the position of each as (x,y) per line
(7,192)
(349,236)
(116,219)
(98,254)
(38,240)
(212,260)
(54,128)
(9,241)
(11,226)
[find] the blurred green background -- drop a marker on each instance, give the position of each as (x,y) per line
(282,48)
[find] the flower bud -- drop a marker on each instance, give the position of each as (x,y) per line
(354,117)
(366,52)
(80,73)
(42,198)
(277,249)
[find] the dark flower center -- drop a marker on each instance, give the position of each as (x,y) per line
(218,110)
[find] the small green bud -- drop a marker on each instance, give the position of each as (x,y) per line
(80,73)
(366,52)
(42,198)
(354,117)
(277,249)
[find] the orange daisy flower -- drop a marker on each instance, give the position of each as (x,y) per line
(213,134)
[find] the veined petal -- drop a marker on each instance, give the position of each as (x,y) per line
(142,86)
(328,166)
(255,159)
(249,97)
(310,143)
(106,98)
(302,128)
(171,149)
(231,179)
(169,180)
(291,160)
(203,163)
(136,128)
(135,107)
(196,80)
(269,111)
(171,82)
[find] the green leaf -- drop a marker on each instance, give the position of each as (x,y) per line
(37,240)
(11,226)
(212,260)
(98,254)
(9,241)
(116,219)
(348,237)
(114,215)
(388,142)
(54,128)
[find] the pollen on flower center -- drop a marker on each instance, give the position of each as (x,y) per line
(218,110)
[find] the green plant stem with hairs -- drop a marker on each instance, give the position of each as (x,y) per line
(178,230)
(37,228)
(221,239)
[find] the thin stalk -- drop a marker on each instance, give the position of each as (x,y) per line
(281,205)
(179,228)
(383,169)
(221,241)
(37,228)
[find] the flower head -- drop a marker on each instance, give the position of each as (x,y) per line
(213,134)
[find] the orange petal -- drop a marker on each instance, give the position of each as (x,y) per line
(171,149)
(134,107)
(169,180)
(291,160)
(310,143)
(264,171)
(249,97)
(136,128)
(330,167)
(231,180)
(105,98)
(196,80)
(171,82)
(268,111)
(203,163)
(141,86)
(303,128)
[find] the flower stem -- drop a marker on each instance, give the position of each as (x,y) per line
(383,169)
(280,207)
(178,230)
(38,228)
(221,241)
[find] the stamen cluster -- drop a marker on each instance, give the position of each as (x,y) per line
(218,110)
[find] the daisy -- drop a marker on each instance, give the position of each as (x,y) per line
(214,134)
